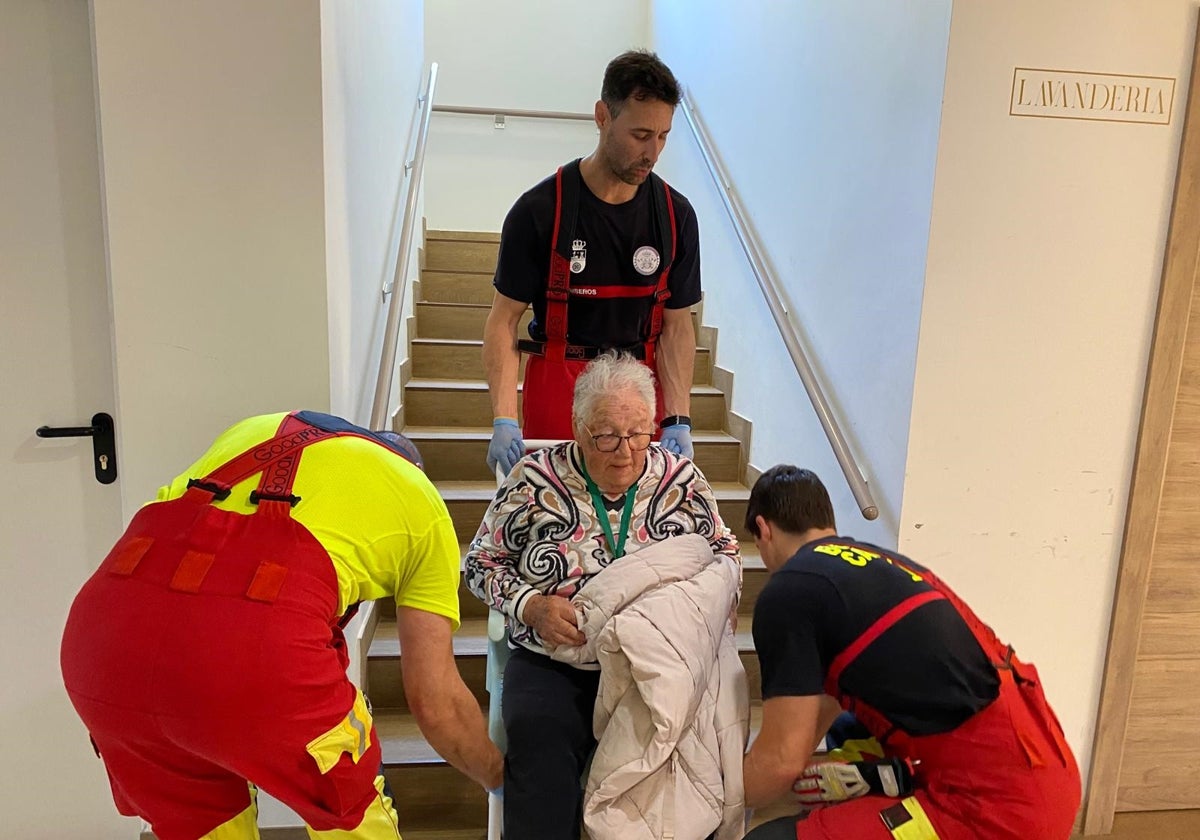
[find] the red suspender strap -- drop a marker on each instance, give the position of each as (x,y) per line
(293,436)
(661,292)
(558,284)
(276,480)
(881,625)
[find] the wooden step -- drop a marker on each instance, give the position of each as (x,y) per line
(462,235)
(466,320)
(298,832)
(385,687)
(754,578)
(428,792)
(461,255)
(458,320)
(451,358)
(460,453)
(450,402)
(467,501)
(447,358)
(384,684)
(433,796)
(456,287)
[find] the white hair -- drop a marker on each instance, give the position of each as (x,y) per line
(610,373)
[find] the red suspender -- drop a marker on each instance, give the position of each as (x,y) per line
(881,625)
(276,458)
(558,286)
(661,292)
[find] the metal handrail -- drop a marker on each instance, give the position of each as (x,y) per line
(790,332)
(513,112)
(391,334)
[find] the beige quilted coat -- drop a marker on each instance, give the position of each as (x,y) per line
(672,714)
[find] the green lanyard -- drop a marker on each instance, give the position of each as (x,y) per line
(616,546)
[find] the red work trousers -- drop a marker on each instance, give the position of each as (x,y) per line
(548,393)
(204,653)
(1003,775)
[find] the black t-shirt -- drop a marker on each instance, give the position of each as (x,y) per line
(926,674)
(611,235)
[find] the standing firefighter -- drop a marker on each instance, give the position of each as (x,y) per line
(608,256)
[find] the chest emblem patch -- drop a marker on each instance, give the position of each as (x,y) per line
(578,256)
(646,260)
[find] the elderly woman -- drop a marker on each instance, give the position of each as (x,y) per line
(561,517)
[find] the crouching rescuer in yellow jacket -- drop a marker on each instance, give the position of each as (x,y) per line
(206,654)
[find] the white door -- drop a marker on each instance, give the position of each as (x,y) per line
(56,521)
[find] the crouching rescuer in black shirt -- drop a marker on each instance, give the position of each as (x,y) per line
(975,752)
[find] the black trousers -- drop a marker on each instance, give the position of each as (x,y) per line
(547,710)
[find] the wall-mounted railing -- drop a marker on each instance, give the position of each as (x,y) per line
(414,167)
(498,114)
(776,300)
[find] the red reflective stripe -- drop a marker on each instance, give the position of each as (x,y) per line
(268,580)
(130,554)
(613,291)
(881,625)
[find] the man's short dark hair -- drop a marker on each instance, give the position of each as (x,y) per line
(789,498)
(640,74)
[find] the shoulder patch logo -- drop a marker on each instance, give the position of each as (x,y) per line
(578,256)
(646,260)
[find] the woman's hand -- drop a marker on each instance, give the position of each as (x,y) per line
(553,617)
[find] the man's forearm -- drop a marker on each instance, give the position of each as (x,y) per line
(676,361)
(501,363)
(763,780)
(455,728)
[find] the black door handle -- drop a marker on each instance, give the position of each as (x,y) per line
(104,443)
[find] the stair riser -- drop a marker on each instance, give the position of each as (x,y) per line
(431,797)
(465,361)
(456,287)
(451,361)
(468,513)
(455,407)
(386,690)
(461,256)
(438,320)
(469,606)
(466,460)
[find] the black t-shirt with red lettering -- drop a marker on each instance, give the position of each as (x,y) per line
(617,246)
(926,673)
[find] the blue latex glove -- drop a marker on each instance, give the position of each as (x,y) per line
(506,447)
(677,439)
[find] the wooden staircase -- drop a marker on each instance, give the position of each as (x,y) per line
(446,412)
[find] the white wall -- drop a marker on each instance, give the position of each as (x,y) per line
(524,54)
(828,129)
(373,72)
(212,164)
(1044,265)
(56,521)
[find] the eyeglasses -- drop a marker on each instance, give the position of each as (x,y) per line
(611,443)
